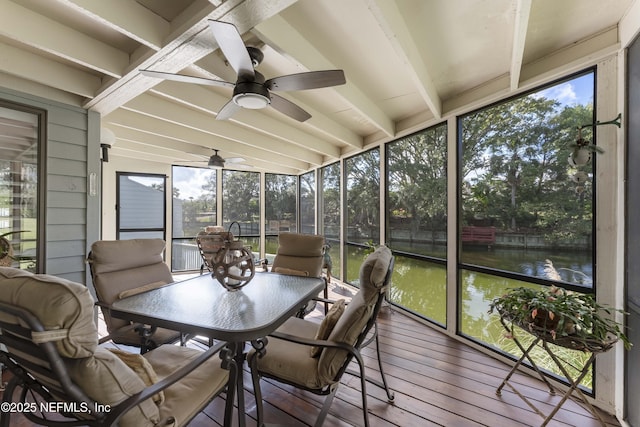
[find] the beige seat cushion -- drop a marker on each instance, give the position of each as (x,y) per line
(290,271)
(184,399)
(59,304)
(290,361)
(327,325)
(124,267)
(302,252)
(142,368)
(293,362)
(373,272)
(350,325)
(107,380)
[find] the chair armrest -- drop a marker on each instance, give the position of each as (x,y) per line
(318,343)
(120,331)
(120,409)
(320,299)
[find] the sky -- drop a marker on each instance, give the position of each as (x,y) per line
(572,92)
(190,181)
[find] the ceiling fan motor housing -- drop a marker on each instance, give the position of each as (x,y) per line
(252,95)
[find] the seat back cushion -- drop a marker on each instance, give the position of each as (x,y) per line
(62,306)
(358,312)
(300,252)
(108,380)
(121,266)
(373,271)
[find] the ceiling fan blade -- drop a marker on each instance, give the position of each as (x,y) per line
(241,166)
(186,79)
(235,160)
(309,80)
(231,44)
(288,108)
(228,110)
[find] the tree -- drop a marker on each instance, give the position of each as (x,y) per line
(417,181)
(363,196)
(515,172)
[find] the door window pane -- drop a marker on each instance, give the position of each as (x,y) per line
(19,172)
(141,205)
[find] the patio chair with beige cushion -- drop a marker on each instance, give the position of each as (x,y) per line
(47,326)
(301,255)
(120,268)
(314,356)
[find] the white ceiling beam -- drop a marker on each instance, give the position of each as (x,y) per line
(40,32)
(177,157)
(168,111)
(396,29)
(523,11)
(182,150)
(207,100)
(196,138)
(128,17)
(31,66)
(129,151)
(188,43)
(282,36)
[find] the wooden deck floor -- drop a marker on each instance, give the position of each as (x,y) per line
(437,380)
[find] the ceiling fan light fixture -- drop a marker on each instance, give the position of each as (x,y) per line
(252,101)
(215,161)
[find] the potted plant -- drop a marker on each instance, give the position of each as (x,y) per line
(570,319)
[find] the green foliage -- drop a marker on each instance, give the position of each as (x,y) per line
(560,313)
(241,195)
(515,170)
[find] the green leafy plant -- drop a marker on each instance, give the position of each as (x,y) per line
(572,319)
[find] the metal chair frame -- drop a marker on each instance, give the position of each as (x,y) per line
(43,361)
(353,353)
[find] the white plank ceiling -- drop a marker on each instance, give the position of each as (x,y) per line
(408,64)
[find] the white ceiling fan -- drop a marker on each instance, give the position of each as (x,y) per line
(252,90)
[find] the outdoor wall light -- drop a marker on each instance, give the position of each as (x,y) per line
(107,140)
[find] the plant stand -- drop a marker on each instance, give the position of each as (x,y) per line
(542,339)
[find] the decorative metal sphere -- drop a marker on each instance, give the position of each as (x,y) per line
(233,265)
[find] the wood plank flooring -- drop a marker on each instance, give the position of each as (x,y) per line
(437,380)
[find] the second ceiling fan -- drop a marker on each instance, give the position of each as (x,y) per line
(251,90)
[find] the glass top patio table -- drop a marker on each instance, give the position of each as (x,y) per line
(202,305)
